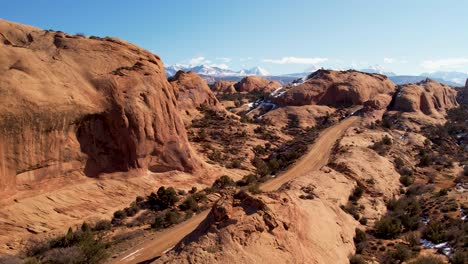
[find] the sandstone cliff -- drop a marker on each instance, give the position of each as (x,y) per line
(224,87)
(72,104)
(192,92)
(336,88)
(428,97)
(255,83)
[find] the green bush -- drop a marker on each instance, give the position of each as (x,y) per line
(223,182)
(400,254)
(360,236)
(102,225)
(388,227)
(406,180)
(356,259)
(255,189)
(459,257)
(356,194)
(163,198)
(189,204)
(434,232)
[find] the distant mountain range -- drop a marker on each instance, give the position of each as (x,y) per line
(215,71)
(212,74)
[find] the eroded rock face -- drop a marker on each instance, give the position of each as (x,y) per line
(192,92)
(428,97)
(337,88)
(224,87)
(255,83)
(72,104)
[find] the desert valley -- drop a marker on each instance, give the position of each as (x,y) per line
(108,156)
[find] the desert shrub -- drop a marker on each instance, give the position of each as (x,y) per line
(223,182)
(189,204)
(247,180)
(400,254)
(386,123)
(459,257)
(443,192)
(255,189)
(80,246)
(166,220)
(360,236)
(434,231)
(102,225)
(199,197)
(399,163)
(119,217)
(412,239)
(356,194)
(418,189)
(261,166)
(356,259)
(406,180)
(363,221)
(193,190)
(164,198)
(382,146)
(171,218)
(427,260)
(352,210)
(132,209)
(388,227)
(69,255)
(425,160)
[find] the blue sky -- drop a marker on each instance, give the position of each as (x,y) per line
(407,37)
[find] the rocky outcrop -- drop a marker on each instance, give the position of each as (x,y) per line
(306,115)
(427,97)
(336,88)
(465,93)
(275,227)
(379,102)
(224,87)
(192,92)
(255,83)
(72,104)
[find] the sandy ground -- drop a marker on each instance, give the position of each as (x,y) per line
(316,158)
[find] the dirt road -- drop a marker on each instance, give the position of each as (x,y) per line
(160,242)
(316,158)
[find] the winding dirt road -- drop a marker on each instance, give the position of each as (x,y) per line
(317,157)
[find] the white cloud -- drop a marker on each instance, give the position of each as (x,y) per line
(451,63)
(389,60)
(296,60)
(198,61)
(246,59)
(224,59)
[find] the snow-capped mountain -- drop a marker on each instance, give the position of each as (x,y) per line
(452,76)
(378,69)
(214,71)
(256,71)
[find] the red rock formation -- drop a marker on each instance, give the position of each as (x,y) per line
(72,104)
(337,88)
(224,87)
(192,91)
(428,97)
(255,83)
